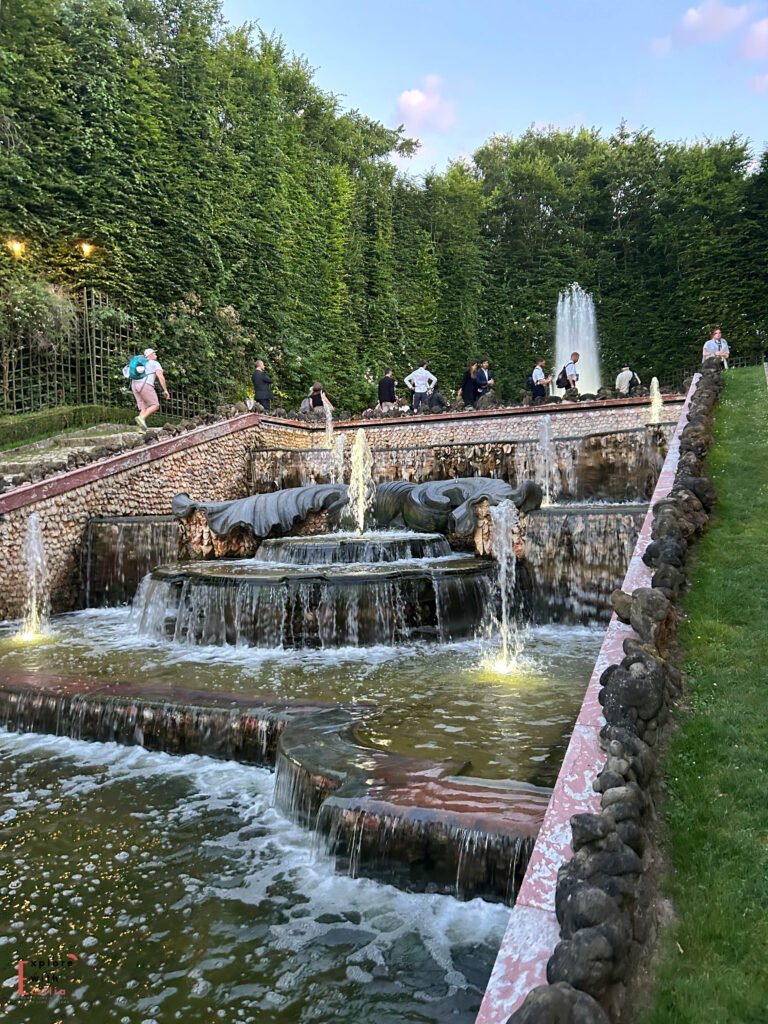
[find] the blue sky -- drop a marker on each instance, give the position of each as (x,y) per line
(457,72)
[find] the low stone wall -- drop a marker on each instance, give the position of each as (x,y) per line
(516,423)
(203,462)
(616,466)
(584,915)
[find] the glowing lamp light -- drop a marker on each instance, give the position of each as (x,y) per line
(86,248)
(17,248)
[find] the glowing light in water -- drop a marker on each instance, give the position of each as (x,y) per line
(656,403)
(361,485)
(576,331)
(548,457)
(505,533)
(35,626)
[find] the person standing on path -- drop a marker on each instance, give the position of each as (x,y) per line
(711,348)
(626,381)
(387,396)
(469,385)
(540,380)
(568,377)
(484,379)
(144,390)
(724,349)
(420,381)
(262,385)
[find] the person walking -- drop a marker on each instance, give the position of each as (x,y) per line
(262,385)
(469,385)
(144,388)
(627,381)
(484,379)
(387,395)
(420,381)
(569,376)
(539,379)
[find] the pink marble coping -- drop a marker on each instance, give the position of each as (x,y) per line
(533,931)
(60,483)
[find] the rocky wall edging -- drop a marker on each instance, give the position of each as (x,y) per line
(510,423)
(140,482)
(582,926)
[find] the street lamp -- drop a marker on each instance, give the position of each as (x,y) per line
(17,248)
(86,248)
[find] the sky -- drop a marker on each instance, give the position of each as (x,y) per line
(456,72)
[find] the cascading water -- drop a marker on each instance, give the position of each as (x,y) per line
(548,458)
(37,604)
(505,535)
(576,331)
(329,440)
(337,461)
(656,402)
(362,489)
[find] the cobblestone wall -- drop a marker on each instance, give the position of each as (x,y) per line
(210,467)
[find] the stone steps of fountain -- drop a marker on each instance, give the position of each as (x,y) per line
(408,821)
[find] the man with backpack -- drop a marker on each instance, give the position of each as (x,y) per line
(143,371)
(627,381)
(538,381)
(568,377)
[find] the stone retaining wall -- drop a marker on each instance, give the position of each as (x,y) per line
(584,915)
(204,462)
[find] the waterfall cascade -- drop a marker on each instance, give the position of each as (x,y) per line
(576,331)
(548,463)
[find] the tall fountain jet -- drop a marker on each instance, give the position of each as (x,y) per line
(576,331)
(361,486)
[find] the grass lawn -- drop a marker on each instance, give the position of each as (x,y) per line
(714,958)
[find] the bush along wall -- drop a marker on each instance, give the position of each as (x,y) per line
(604,897)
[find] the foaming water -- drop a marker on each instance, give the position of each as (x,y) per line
(443,702)
(186,896)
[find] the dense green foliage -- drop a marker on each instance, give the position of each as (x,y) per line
(714,967)
(236,211)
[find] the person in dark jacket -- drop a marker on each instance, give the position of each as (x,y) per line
(469,385)
(387,396)
(262,385)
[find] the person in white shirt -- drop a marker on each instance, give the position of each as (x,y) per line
(626,381)
(420,381)
(570,370)
(144,389)
(711,348)
(723,349)
(539,379)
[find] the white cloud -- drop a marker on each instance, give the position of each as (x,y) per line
(707,23)
(755,45)
(710,21)
(759,83)
(426,110)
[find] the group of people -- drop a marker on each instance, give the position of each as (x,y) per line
(144,370)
